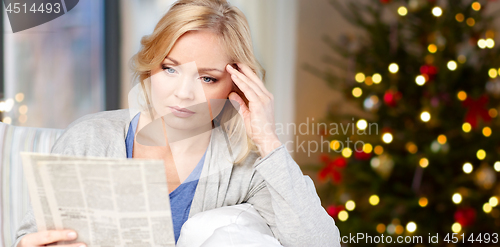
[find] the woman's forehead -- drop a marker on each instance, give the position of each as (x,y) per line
(202,47)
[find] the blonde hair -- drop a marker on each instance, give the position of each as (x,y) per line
(219,17)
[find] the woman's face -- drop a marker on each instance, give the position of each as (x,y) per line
(184,88)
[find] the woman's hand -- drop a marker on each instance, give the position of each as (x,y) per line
(259,115)
(44,238)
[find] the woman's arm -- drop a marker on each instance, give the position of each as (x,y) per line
(288,201)
(28,225)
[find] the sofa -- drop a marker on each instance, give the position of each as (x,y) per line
(218,227)
(14,196)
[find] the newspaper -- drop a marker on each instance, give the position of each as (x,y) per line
(108,202)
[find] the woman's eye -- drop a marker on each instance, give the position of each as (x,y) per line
(169,70)
(208,79)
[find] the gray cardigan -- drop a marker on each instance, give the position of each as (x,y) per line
(274,184)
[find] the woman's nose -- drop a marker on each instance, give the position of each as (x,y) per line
(185,88)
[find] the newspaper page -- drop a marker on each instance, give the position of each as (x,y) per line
(38,200)
(109,202)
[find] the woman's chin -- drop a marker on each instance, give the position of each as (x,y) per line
(186,123)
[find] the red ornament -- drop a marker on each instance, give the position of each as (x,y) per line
(361,155)
(477,109)
(391,97)
(334,211)
(465,216)
(428,71)
(332,168)
(385,1)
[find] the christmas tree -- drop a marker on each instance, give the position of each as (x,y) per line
(427,159)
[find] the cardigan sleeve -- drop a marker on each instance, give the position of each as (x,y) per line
(287,199)
(28,225)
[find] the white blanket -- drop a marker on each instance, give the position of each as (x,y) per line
(235,226)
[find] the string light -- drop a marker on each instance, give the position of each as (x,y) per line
(470,21)
(456,227)
(481,154)
(9,103)
(493,112)
(346,152)
(380,228)
(393,68)
(391,228)
(441,139)
(399,229)
(487,208)
(367,148)
(375,162)
(420,80)
(490,43)
(360,77)
(467,167)
(476,6)
(456,198)
(376,78)
(343,215)
(361,124)
(490,34)
(462,95)
(493,201)
(423,202)
(368,81)
(466,127)
(452,65)
(374,200)
(424,162)
(425,116)
(462,59)
(459,17)
(350,205)
(7,120)
(437,11)
(432,48)
(481,43)
(23,109)
(19,97)
(357,92)
(378,150)
(334,145)
(411,226)
(492,73)
(487,131)
(411,147)
(497,166)
(387,138)
(402,11)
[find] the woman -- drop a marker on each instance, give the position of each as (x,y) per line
(199,55)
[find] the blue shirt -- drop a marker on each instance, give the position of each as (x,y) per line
(182,197)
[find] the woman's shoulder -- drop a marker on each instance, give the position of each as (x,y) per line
(93,134)
(100,119)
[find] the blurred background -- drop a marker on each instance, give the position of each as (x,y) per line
(422,73)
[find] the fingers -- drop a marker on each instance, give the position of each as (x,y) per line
(250,74)
(49,237)
(249,92)
(242,110)
(245,83)
(241,107)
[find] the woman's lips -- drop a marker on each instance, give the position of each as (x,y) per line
(181,112)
